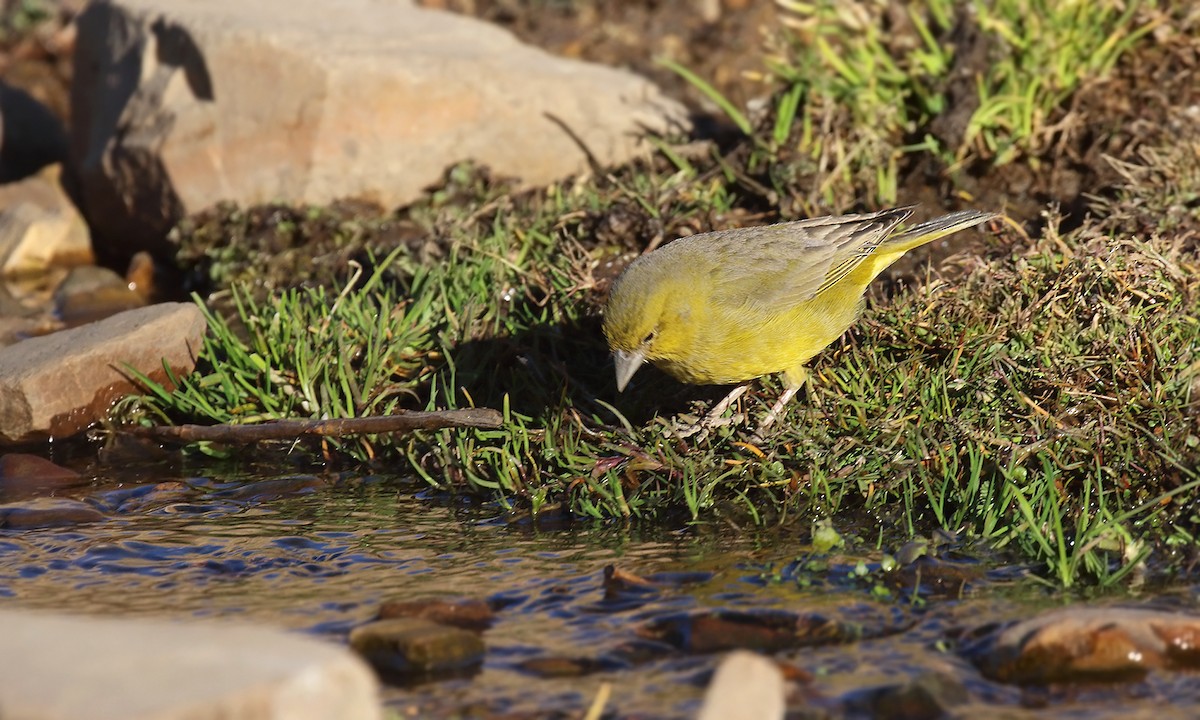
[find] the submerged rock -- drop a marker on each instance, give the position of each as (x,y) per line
(408,645)
(557,666)
(925,697)
(143,498)
(465,613)
(23,476)
(717,630)
(1090,643)
(266,490)
(47,512)
(90,293)
(621,584)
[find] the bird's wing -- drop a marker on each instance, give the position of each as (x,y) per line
(782,265)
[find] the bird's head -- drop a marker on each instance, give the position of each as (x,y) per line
(648,317)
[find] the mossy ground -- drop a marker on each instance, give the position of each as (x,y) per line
(1036,387)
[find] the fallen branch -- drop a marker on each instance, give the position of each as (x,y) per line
(402,421)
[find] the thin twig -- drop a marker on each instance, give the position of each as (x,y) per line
(402,421)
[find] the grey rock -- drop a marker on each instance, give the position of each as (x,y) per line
(56,667)
(180,104)
(56,385)
(746,686)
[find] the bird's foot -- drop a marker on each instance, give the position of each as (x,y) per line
(702,428)
(713,419)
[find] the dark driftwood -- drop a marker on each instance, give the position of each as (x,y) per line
(402,421)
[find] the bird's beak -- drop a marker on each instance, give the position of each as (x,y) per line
(627,364)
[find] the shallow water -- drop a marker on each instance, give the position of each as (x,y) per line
(320,555)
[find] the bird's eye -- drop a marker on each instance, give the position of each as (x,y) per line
(649,337)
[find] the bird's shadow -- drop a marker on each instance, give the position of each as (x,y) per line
(554,368)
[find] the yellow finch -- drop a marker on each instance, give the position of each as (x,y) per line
(728,306)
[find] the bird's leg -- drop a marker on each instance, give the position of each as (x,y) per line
(720,408)
(796,379)
(778,408)
(713,418)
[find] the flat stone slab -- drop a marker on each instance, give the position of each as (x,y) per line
(56,385)
(58,667)
(180,104)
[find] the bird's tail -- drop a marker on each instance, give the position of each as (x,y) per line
(892,248)
(934,229)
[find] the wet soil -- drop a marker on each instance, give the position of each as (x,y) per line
(721,40)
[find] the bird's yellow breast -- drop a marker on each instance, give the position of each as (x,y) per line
(733,344)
